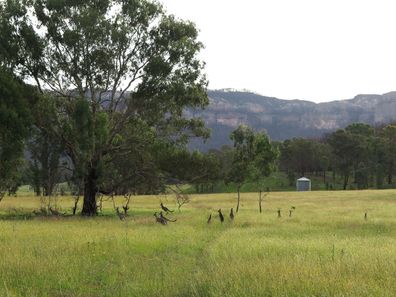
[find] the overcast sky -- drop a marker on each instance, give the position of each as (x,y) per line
(318,50)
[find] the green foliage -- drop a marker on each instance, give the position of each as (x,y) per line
(363,157)
(15,120)
(44,162)
(253,157)
(243,155)
(351,148)
(181,166)
(265,156)
(137,167)
(115,69)
(225,158)
(45,148)
(360,155)
(301,156)
(206,171)
(385,153)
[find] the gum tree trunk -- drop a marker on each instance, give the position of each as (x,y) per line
(346,179)
(239,198)
(260,199)
(90,189)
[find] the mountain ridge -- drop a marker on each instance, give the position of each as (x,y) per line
(284,118)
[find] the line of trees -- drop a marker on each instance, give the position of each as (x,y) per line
(357,157)
(360,155)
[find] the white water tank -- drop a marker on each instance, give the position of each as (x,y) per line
(303,184)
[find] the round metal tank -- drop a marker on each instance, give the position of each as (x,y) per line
(303,184)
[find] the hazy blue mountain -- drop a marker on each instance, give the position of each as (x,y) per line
(283,119)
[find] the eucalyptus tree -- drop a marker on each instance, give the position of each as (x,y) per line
(243,138)
(263,163)
(109,66)
(253,158)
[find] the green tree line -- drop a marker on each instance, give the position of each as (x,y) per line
(360,155)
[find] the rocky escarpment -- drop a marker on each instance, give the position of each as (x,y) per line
(283,119)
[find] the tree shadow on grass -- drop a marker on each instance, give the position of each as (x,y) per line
(28,214)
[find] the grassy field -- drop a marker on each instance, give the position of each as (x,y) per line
(325,249)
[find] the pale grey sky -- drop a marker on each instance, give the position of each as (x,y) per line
(317,50)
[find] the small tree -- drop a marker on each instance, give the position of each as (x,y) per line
(253,158)
(263,163)
(243,138)
(181,197)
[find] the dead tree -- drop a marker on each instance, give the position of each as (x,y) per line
(181,198)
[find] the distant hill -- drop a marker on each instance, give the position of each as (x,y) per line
(283,119)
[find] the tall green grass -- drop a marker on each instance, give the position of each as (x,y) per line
(325,249)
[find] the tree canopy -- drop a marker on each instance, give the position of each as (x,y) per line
(120,74)
(253,158)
